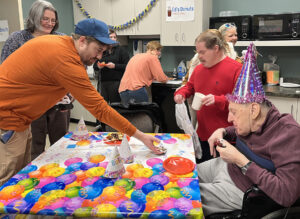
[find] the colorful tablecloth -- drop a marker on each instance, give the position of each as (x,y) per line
(67,180)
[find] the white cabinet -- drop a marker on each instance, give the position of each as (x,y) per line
(184,33)
(99,9)
(287,105)
(124,11)
(79,111)
(118,12)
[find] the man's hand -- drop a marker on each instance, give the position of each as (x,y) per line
(179,99)
(230,154)
(110,65)
(148,141)
(216,135)
(209,99)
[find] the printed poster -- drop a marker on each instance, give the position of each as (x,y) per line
(180,10)
(3,30)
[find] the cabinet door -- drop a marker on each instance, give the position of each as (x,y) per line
(150,24)
(99,9)
(122,12)
(285,105)
(170,31)
(190,30)
(185,33)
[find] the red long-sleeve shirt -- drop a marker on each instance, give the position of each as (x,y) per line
(218,80)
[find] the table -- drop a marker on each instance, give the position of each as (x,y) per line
(67,180)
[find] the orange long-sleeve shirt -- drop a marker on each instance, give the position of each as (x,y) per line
(140,71)
(38,74)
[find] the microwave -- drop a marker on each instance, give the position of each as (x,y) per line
(243,24)
(276,26)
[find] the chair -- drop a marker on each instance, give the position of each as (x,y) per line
(145,116)
(260,206)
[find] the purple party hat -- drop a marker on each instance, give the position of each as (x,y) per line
(248,87)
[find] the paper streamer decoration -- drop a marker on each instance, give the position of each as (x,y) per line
(128,23)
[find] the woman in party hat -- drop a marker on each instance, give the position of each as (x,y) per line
(266,153)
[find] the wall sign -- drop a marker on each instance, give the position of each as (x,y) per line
(4,31)
(180,10)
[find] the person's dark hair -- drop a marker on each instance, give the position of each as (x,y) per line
(36,14)
(212,37)
(111,31)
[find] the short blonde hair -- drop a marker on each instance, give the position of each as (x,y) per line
(154,45)
(211,38)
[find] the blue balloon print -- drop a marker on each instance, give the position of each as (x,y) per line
(74,167)
(53,186)
(46,212)
(88,165)
(190,193)
(12,181)
(163,137)
(138,196)
(104,182)
(90,192)
(68,135)
(194,184)
(130,209)
(176,213)
(160,214)
(61,212)
(158,167)
(149,187)
(28,169)
(18,206)
(33,196)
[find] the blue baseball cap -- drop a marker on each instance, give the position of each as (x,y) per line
(94,28)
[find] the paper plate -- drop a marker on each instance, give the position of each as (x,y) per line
(178,165)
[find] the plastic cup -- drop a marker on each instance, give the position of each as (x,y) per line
(197,101)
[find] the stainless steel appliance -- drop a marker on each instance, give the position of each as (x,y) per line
(243,24)
(276,26)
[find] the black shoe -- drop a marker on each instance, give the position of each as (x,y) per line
(198,160)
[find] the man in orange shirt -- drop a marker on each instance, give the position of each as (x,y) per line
(38,75)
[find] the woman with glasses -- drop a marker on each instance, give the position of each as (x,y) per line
(42,20)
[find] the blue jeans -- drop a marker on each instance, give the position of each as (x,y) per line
(136,96)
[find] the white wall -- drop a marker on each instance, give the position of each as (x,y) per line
(11,10)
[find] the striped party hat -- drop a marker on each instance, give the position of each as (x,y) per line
(248,88)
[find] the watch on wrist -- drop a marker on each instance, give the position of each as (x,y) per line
(245,168)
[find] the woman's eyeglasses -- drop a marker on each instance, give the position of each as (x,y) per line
(46,19)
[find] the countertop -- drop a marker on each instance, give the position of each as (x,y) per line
(275,90)
(270,90)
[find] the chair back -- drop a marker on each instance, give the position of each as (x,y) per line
(144,116)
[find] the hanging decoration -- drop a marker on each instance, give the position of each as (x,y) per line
(128,23)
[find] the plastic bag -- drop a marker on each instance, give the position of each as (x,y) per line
(184,123)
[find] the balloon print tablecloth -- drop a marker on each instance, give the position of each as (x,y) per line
(67,180)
